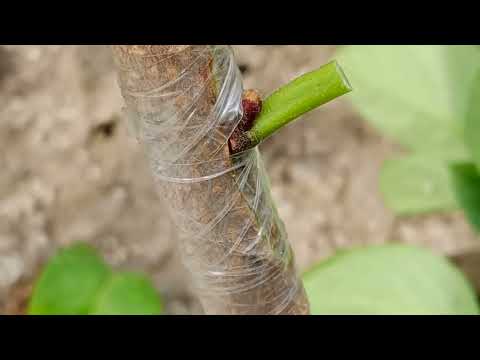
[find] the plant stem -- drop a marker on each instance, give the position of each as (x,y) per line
(303,94)
(230,236)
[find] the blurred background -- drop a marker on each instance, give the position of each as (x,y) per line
(69,171)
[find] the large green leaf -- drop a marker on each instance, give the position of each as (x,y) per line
(69,283)
(417,183)
(128,294)
(388,279)
(416,95)
(466,181)
(472,122)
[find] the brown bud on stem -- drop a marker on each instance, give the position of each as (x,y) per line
(251,105)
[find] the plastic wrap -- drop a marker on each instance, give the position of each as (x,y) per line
(183,102)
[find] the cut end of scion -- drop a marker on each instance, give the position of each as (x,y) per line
(343,78)
(287,103)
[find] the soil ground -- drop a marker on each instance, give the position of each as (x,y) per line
(70,172)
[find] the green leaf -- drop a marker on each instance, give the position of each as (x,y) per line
(128,294)
(389,279)
(416,95)
(472,122)
(466,180)
(417,183)
(69,282)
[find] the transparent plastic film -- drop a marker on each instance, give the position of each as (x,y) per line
(183,103)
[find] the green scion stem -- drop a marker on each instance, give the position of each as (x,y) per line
(301,95)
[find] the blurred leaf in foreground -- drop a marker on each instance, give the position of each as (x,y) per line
(389,279)
(69,282)
(466,180)
(128,294)
(416,95)
(417,183)
(76,281)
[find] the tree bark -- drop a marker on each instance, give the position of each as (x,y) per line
(232,240)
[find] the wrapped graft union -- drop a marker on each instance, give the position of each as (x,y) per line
(183,103)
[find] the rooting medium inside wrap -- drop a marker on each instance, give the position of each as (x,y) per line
(183,102)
